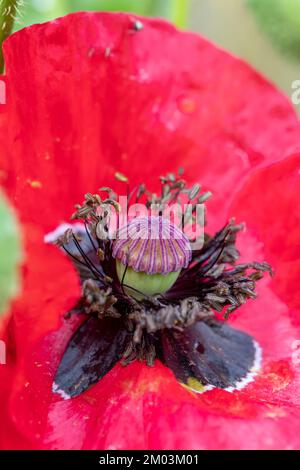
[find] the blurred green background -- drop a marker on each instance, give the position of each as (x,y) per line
(265,33)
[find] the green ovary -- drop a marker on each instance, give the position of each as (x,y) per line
(143,284)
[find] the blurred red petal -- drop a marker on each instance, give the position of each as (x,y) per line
(269,205)
(50,288)
(137,406)
(89,97)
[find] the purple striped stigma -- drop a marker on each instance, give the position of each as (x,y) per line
(150,253)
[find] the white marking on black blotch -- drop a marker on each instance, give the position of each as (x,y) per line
(58,391)
(91,353)
(242,383)
(213,354)
(253,371)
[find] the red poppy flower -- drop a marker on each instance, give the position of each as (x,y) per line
(91,94)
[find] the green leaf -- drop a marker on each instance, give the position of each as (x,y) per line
(8,12)
(10,254)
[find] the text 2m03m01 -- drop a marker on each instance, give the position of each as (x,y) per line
(170,459)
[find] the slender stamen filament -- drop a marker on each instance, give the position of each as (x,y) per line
(89,236)
(77,260)
(123,278)
(86,258)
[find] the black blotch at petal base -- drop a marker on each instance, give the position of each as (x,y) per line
(92,351)
(211,353)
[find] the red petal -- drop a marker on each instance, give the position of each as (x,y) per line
(88,97)
(50,288)
(269,205)
(137,406)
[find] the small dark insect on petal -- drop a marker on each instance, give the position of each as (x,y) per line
(137,26)
(93,350)
(210,354)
